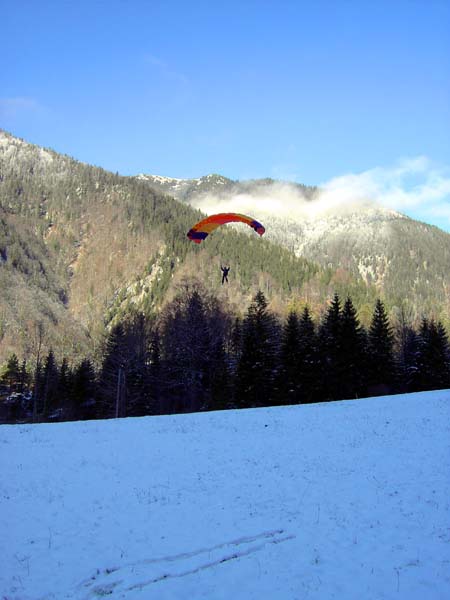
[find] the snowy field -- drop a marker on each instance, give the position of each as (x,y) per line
(346,500)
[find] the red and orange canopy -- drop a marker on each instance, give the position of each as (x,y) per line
(204,227)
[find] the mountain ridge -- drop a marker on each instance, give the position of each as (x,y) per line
(81,247)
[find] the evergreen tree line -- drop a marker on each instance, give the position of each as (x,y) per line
(196,356)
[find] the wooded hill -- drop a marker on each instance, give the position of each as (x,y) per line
(406,260)
(81,247)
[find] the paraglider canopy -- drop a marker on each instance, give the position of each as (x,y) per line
(204,227)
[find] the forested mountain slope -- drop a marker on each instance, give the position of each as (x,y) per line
(80,247)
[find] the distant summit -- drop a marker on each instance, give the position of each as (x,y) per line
(190,190)
(185,189)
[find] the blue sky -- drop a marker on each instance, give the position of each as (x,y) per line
(313,91)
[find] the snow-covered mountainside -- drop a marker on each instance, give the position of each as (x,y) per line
(183,189)
(221,189)
(407,260)
(338,500)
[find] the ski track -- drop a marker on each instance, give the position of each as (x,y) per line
(138,575)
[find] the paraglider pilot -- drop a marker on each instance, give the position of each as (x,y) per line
(225,271)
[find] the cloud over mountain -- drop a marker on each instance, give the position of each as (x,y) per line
(415,186)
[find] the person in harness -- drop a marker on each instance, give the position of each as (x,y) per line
(225,271)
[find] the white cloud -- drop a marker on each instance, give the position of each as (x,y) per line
(411,183)
(280,198)
(415,186)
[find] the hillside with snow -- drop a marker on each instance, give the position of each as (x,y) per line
(344,500)
(406,260)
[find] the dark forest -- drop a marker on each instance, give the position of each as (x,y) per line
(198,356)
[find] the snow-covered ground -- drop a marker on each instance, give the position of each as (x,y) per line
(346,500)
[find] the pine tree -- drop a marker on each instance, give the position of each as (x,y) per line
(50,386)
(308,358)
(112,381)
(408,360)
(13,410)
(185,346)
(433,357)
(289,374)
(38,392)
(64,388)
(194,328)
(38,386)
(235,345)
(258,365)
(153,382)
(381,371)
(405,347)
(442,357)
(11,374)
(353,352)
(137,333)
(221,380)
(330,352)
(24,378)
(234,351)
(84,391)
